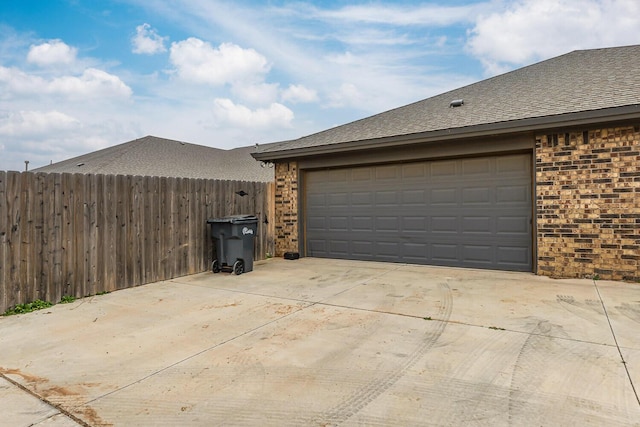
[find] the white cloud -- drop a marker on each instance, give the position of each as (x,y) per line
(347,95)
(299,94)
(531,30)
(14,81)
(34,123)
(375,37)
(276,115)
(344,59)
(54,52)
(42,136)
(197,61)
(376,13)
(147,41)
(276,33)
(91,83)
(256,94)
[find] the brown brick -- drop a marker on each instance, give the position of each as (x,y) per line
(286,212)
(587,193)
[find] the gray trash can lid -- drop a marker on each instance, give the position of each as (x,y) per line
(234,219)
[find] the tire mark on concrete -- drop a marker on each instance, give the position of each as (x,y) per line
(584,310)
(377,386)
(538,367)
(491,405)
(632,311)
(530,367)
(474,383)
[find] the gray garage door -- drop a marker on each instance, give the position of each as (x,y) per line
(472,212)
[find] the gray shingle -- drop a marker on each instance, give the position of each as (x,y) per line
(580,81)
(153,156)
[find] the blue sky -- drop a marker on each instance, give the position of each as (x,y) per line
(81,75)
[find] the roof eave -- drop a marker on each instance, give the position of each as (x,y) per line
(592,117)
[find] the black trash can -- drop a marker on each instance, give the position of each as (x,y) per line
(233,240)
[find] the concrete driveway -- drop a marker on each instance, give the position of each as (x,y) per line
(324,342)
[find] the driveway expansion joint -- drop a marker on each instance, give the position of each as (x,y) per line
(615,339)
(44,400)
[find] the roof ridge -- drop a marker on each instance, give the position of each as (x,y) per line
(126,148)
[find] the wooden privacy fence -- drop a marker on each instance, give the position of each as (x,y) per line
(79,235)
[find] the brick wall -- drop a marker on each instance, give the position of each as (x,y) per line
(286,209)
(588,203)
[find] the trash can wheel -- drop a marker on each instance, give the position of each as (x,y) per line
(215,267)
(238,267)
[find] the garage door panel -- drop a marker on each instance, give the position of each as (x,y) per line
(414,251)
(443,196)
(473,212)
(387,223)
(444,169)
(387,198)
(318,246)
(337,176)
(513,255)
(338,200)
(444,252)
(444,224)
(477,195)
(387,250)
(512,225)
(414,224)
(477,254)
(512,165)
(316,223)
(362,223)
(414,198)
(339,247)
(361,174)
(513,194)
(414,170)
(362,199)
(315,200)
(477,167)
(386,173)
(477,224)
(319,176)
(339,223)
(362,248)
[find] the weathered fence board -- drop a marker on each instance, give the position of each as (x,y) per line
(16,293)
(78,235)
(3,238)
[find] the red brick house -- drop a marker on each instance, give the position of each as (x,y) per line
(534,170)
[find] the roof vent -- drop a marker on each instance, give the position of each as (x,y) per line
(456,103)
(80,164)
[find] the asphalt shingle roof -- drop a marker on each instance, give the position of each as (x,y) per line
(153,156)
(580,81)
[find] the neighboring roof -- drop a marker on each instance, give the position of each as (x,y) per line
(583,86)
(153,156)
